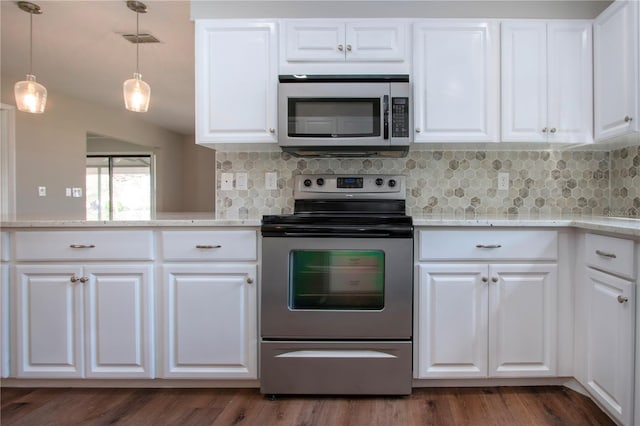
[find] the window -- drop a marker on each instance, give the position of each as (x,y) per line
(119,187)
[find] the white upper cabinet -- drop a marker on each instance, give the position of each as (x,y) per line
(456,81)
(236,81)
(547,81)
(616,71)
(332,46)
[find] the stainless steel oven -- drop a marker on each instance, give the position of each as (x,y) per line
(337,285)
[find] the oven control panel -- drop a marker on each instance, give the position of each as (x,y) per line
(350,186)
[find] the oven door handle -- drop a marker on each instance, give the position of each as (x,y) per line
(336,235)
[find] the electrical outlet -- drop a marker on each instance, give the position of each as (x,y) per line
(271,181)
(226,181)
(76,192)
(503,181)
(42,191)
(241,181)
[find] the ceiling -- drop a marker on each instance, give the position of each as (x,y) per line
(79,51)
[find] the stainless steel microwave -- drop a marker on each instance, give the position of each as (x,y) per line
(345,115)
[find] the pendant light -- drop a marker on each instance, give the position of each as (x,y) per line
(31,96)
(136,91)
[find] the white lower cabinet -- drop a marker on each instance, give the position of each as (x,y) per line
(479,320)
(609,319)
(208,304)
(4,321)
(210,321)
(74,321)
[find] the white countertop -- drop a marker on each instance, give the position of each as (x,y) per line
(624,226)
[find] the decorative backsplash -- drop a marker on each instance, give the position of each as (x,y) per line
(625,182)
(456,184)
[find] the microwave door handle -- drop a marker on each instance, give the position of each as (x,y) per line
(385,107)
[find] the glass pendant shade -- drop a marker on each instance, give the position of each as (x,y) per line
(31,96)
(136,94)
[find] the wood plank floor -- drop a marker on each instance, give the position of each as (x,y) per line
(546,405)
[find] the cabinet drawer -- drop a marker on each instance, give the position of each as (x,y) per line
(464,244)
(84,245)
(610,254)
(209,245)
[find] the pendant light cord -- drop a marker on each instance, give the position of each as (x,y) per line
(30,43)
(137,42)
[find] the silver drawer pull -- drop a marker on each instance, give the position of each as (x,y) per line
(249,280)
(208,246)
(605,254)
(488,246)
(622,299)
(81,246)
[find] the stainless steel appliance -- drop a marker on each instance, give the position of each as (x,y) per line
(337,289)
(345,115)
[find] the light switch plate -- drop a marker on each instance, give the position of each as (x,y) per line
(242,181)
(67,192)
(503,181)
(226,181)
(271,181)
(42,191)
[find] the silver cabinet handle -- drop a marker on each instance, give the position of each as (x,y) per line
(418,130)
(82,246)
(340,47)
(544,130)
(208,246)
(249,280)
(605,254)
(485,279)
(627,119)
(622,299)
(494,279)
(488,246)
(553,130)
(272,130)
(348,48)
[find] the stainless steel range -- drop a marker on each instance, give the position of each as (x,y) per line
(337,289)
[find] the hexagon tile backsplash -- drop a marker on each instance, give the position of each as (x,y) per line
(456,184)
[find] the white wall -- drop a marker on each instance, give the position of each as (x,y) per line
(51,149)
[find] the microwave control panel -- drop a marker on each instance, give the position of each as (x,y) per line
(399,117)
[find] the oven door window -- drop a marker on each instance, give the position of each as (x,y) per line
(334,117)
(336,279)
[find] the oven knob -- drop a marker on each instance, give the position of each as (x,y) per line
(307,182)
(392,182)
(379,181)
(320,181)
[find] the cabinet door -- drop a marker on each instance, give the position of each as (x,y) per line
(4,320)
(451,325)
(610,343)
(456,82)
(376,41)
(570,82)
(118,315)
(615,47)
(48,321)
(210,321)
(522,320)
(524,82)
(236,81)
(315,41)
